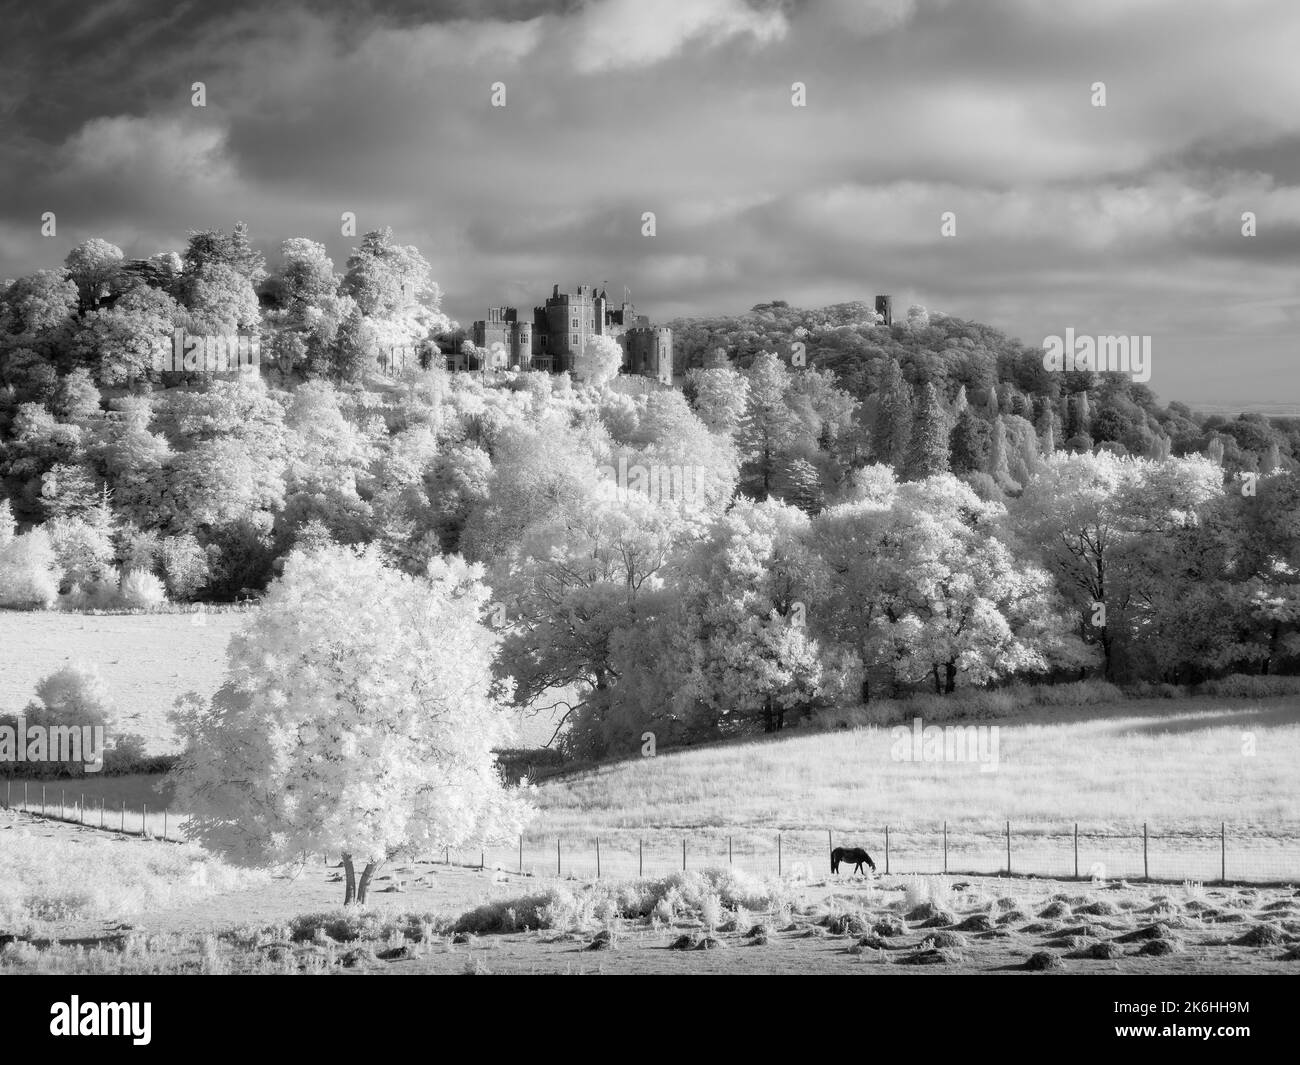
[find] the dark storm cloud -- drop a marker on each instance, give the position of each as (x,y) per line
(1125,218)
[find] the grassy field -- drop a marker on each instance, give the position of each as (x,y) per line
(1177,763)
(144,906)
(147,660)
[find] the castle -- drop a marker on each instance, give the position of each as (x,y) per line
(560,328)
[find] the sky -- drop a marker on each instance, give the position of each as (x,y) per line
(1122,219)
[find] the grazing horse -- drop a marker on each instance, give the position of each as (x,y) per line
(851,854)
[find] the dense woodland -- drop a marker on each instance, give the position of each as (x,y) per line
(874,510)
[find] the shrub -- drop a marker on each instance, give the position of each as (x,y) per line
(29,575)
(184,566)
(1250,686)
(141,589)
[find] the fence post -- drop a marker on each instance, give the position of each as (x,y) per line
(42,800)
(8,785)
(24,796)
(521,852)
(144,821)
(124,817)
(63,798)
(1076,850)
(945,846)
(1008,848)
(1146,873)
(778,854)
(640,857)
(1223,851)
(683,854)
(729,850)
(165,830)
(597,857)
(886,849)
(830,842)
(81,809)
(557,855)
(101,812)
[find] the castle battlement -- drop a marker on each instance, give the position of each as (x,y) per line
(561,326)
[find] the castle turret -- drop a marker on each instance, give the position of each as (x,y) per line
(885,308)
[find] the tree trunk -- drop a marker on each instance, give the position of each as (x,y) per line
(769,721)
(934,670)
(367,874)
(350,881)
(866,691)
(950,677)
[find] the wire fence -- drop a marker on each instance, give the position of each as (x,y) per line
(1143,852)
(1136,854)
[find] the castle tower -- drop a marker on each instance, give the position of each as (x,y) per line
(885,308)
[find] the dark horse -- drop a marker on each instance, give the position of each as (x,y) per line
(851,854)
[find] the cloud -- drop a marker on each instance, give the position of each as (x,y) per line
(612,34)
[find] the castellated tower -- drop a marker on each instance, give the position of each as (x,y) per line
(649,352)
(560,328)
(885,308)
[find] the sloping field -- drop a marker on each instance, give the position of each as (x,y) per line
(1184,764)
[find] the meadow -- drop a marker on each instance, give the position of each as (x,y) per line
(149,907)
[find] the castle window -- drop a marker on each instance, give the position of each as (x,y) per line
(575,323)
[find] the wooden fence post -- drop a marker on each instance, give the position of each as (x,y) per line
(886,849)
(24,796)
(144,821)
(640,857)
(521,852)
(101,812)
(81,809)
(557,855)
(683,854)
(945,846)
(778,854)
(1076,850)
(1008,848)
(63,798)
(123,816)
(1223,851)
(597,857)
(1146,869)
(42,800)
(729,862)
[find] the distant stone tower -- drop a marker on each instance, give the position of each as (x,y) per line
(885,308)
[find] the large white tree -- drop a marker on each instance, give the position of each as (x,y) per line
(357,718)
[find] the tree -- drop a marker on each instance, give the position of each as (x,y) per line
(94,266)
(1085,514)
(356,348)
(719,396)
(892,431)
(29,574)
(387,279)
(357,718)
(924,587)
(599,360)
(305,277)
(770,428)
(969,442)
(928,448)
(125,340)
